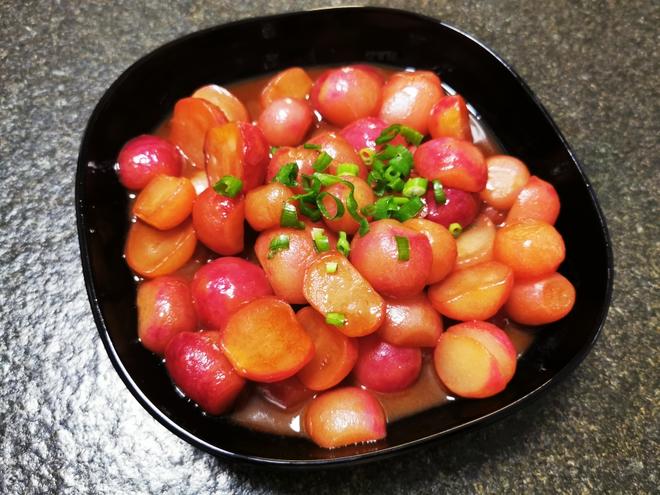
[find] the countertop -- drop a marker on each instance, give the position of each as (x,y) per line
(68,424)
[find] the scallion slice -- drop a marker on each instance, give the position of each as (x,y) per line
(439,192)
(322,162)
(287,175)
(411,135)
(335,319)
(455,229)
(415,187)
(278,243)
(367,155)
(311,146)
(331,267)
(324,211)
(403,247)
(228,186)
(348,169)
(409,209)
(342,244)
(388,134)
(320,240)
(289,217)
(273,150)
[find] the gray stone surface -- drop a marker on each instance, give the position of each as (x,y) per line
(68,425)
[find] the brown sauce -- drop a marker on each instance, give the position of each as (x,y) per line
(252,410)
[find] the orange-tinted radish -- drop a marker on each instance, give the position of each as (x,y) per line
(144,157)
(219,221)
(443,247)
(222,286)
(265,342)
(531,248)
(191,120)
(475,245)
(393,270)
(238,149)
(450,118)
(344,291)
(264,204)
(455,163)
(165,202)
(285,122)
(541,301)
(408,98)
(346,94)
(285,269)
(334,353)
(345,416)
(290,83)
(222,98)
(165,308)
(384,367)
(475,293)
(340,150)
(286,394)
(506,177)
(197,366)
(411,322)
(151,252)
(363,195)
(538,200)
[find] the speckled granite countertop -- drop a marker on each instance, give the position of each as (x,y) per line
(68,425)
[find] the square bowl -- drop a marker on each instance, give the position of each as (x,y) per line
(145,93)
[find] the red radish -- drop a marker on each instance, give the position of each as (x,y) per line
(143,158)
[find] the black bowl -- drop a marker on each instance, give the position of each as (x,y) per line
(146,92)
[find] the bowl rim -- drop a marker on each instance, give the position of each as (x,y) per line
(387,451)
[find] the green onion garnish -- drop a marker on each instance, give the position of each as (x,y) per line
(455,229)
(342,244)
(411,135)
(322,162)
(388,134)
(228,186)
(310,212)
(439,192)
(287,175)
(403,246)
(367,155)
(331,267)
(278,243)
(324,211)
(335,319)
(289,217)
(415,187)
(347,169)
(273,150)
(409,210)
(311,146)
(320,240)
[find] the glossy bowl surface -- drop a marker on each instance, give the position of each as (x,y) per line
(140,98)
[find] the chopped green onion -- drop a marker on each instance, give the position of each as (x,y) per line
(397,185)
(331,267)
(311,146)
(320,240)
(335,319)
(411,135)
(388,134)
(348,169)
(415,187)
(439,192)
(342,244)
(310,212)
(367,155)
(273,150)
(322,162)
(391,174)
(403,247)
(287,175)
(289,217)
(228,186)
(455,229)
(409,210)
(324,211)
(278,243)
